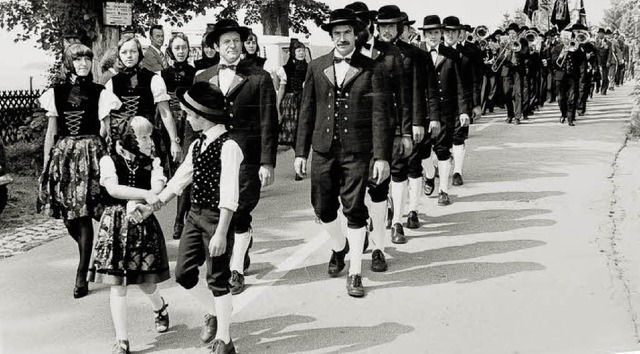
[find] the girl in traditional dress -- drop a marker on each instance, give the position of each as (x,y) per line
(209,56)
(251,51)
(291,77)
(180,74)
(130,249)
(78,111)
(142,92)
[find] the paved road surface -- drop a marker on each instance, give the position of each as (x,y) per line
(521,262)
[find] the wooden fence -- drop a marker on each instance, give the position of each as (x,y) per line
(16,108)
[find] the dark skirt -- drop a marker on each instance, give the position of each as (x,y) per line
(289,110)
(126,253)
(69,187)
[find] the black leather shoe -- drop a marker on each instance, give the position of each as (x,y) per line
(336,263)
(457,179)
(509,120)
(412,220)
(354,286)
(429,186)
(177,231)
(162,320)
(298,178)
(82,287)
(571,124)
(236,282)
(220,347)
(378,263)
(516,121)
(121,347)
(563,119)
(580,114)
(397,234)
(443,198)
(209,329)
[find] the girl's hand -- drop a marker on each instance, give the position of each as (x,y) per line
(217,245)
(153,201)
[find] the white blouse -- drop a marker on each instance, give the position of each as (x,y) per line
(106,103)
(108,170)
(282,75)
(158,88)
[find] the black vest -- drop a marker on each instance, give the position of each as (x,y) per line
(79,118)
(296,74)
(135,94)
(178,75)
(135,174)
(205,191)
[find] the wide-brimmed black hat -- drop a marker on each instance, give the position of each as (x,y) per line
(406,19)
(390,14)
(206,100)
(362,10)
(578,27)
(601,30)
(513,26)
(468,28)
(431,22)
(451,23)
(608,31)
(340,17)
(226,25)
(497,33)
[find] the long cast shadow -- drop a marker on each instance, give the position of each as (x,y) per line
(508,196)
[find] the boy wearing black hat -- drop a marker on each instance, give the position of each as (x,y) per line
(251,101)
(213,166)
(570,64)
(345,116)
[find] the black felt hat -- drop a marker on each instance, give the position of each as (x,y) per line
(608,31)
(224,26)
(362,10)
(578,27)
(431,22)
(513,26)
(206,100)
(601,30)
(389,14)
(406,19)
(452,23)
(340,17)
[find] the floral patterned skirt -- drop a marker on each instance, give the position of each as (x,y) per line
(289,109)
(69,187)
(127,253)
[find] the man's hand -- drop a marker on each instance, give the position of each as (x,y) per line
(407,146)
(418,133)
(176,152)
(464,120)
(300,166)
(217,245)
(476,113)
(266,175)
(381,171)
(153,201)
(434,128)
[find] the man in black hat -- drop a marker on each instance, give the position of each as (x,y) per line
(212,164)
(409,34)
(603,48)
(512,73)
(345,116)
(251,101)
(491,87)
(591,63)
(453,106)
(570,63)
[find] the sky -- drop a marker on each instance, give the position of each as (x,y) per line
(25,61)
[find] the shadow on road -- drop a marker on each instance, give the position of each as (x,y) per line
(521,197)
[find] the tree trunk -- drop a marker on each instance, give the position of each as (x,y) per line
(275,18)
(105,37)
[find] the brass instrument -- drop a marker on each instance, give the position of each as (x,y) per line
(583,37)
(481,32)
(570,45)
(507,50)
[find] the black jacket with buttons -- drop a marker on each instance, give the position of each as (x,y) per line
(574,63)
(452,99)
(251,102)
(364,118)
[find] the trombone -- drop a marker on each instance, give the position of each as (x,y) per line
(507,49)
(571,45)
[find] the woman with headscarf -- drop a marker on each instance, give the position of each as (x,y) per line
(179,74)
(78,111)
(251,51)
(291,77)
(209,56)
(142,92)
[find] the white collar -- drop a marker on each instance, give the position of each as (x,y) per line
(337,55)
(214,132)
(222,61)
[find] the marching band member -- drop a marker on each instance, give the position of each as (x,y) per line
(586,82)
(570,64)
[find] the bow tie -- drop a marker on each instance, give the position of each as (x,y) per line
(225,66)
(367,46)
(337,60)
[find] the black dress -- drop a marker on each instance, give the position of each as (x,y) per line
(295,71)
(206,62)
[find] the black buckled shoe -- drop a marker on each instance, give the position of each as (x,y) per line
(162,320)
(443,199)
(457,180)
(429,186)
(336,263)
(397,234)
(412,220)
(354,286)
(82,287)
(209,329)
(378,262)
(220,347)
(177,231)
(236,282)
(121,347)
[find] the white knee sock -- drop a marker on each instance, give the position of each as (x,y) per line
(429,166)
(415,190)
(240,246)
(398,193)
(336,237)
(151,290)
(356,244)
(458,152)
(378,216)
(118,303)
(444,168)
(224,307)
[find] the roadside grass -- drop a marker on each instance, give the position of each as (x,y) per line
(24,161)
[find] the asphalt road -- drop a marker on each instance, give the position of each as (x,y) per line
(521,262)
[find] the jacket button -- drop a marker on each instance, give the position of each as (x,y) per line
(346,106)
(346,94)
(231,127)
(327,130)
(329,106)
(230,103)
(345,118)
(231,115)
(329,95)
(346,130)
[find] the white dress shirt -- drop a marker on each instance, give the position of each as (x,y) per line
(225,77)
(158,88)
(434,54)
(368,52)
(230,158)
(342,67)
